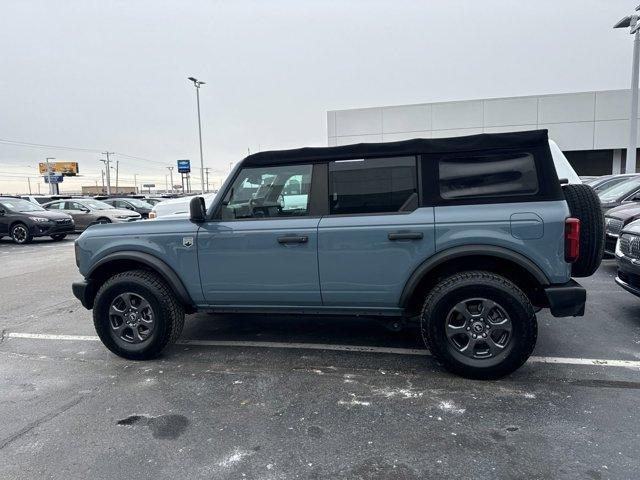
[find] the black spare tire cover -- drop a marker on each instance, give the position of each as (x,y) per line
(584,204)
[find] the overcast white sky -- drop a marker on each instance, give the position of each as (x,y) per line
(112,74)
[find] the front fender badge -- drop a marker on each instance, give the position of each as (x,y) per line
(187,241)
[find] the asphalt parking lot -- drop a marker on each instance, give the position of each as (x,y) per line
(285,397)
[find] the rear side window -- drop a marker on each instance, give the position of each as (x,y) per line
(375,185)
(488,176)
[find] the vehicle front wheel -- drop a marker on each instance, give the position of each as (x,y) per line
(20,234)
(479,325)
(101,221)
(136,315)
(58,236)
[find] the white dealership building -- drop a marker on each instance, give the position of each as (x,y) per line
(592,128)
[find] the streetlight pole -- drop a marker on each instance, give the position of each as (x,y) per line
(631,21)
(171,173)
(197,83)
(51,190)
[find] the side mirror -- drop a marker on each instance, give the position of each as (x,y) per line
(197,210)
(85,210)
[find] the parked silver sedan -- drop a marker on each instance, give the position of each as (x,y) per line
(87,212)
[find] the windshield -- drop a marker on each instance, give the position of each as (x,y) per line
(19,205)
(138,203)
(620,190)
(97,205)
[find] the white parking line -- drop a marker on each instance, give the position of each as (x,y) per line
(599,362)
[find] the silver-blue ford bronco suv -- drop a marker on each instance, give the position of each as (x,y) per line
(469,236)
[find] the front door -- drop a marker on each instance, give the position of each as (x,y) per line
(262,247)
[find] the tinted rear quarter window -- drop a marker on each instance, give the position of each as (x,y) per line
(376,185)
(489,175)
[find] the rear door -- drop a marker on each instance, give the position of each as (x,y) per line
(376,232)
(262,247)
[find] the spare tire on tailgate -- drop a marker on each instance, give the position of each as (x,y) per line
(584,204)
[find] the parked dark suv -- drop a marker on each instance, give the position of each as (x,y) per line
(24,220)
(133,204)
(467,236)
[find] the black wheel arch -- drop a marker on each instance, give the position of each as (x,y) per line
(499,260)
(131,260)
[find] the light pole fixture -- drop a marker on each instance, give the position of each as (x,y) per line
(197,83)
(631,22)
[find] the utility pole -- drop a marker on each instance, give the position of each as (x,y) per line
(29,182)
(51,190)
(171,173)
(135,183)
(117,166)
(197,83)
(207,170)
(631,21)
(107,165)
(102,172)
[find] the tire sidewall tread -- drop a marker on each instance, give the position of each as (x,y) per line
(520,310)
(169,314)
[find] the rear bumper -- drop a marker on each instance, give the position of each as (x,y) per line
(567,299)
(83,291)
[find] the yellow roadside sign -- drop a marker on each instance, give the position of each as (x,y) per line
(67,169)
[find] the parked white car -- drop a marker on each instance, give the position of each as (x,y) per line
(177,207)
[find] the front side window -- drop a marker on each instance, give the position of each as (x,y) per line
(376,185)
(266,192)
(490,175)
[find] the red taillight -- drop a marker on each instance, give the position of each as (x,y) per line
(571,239)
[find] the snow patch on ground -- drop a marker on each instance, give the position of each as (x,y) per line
(353,401)
(237,455)
(450,407)
(397,392)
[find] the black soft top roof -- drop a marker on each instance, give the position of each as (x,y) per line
(484,141)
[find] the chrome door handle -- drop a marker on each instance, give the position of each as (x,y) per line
(293,239)
(406,236)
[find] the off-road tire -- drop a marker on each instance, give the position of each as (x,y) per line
(473,284)
(168,313)
(20,234)
(584,204)
(58,236)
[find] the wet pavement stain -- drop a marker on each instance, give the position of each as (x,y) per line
(168,427)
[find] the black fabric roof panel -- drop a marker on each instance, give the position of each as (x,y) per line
(469,143)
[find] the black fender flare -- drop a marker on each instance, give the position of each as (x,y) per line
(152,262)
(466,251)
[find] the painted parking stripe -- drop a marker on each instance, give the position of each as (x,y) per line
(339,348)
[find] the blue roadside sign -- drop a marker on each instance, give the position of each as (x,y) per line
(184,166)
(53,178)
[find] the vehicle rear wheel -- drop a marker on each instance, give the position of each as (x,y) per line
(584,204)
(479,325)
(136,315)
(20,234)
(58,236)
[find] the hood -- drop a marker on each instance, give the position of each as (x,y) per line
(633,227)
(48,214)
(139,230)
(625,211)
